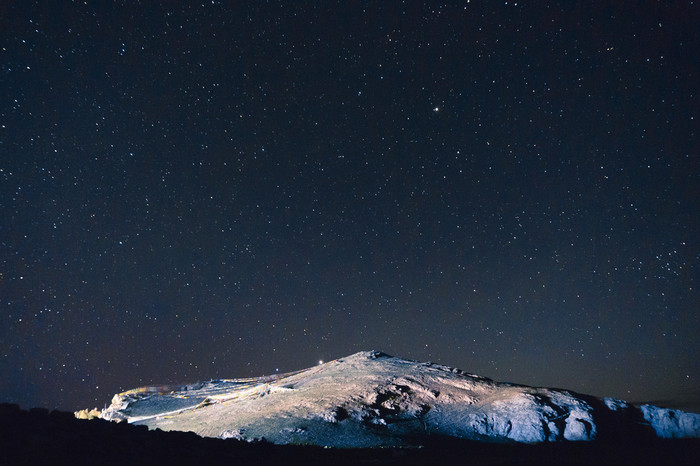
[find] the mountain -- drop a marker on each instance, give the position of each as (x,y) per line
(371,399)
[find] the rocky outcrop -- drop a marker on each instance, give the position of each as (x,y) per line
(371,399)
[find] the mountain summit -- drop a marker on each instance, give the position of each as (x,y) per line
(372,399)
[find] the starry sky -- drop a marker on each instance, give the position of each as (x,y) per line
(217,190)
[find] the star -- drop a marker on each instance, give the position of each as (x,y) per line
(258,203)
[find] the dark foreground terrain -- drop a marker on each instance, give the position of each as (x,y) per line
(42,437)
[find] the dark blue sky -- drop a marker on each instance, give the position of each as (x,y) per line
(216,190)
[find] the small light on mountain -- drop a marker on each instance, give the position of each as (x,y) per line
(320,361)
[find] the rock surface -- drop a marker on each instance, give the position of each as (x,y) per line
(371,399)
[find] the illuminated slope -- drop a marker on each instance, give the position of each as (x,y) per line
(372,399)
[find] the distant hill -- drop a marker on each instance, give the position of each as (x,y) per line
(371,399)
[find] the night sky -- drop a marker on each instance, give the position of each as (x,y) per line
(220,190)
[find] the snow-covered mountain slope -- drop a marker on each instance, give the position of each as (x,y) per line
(372,399)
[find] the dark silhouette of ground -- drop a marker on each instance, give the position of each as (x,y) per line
(38,436)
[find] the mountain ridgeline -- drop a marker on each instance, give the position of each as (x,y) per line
(371,399)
